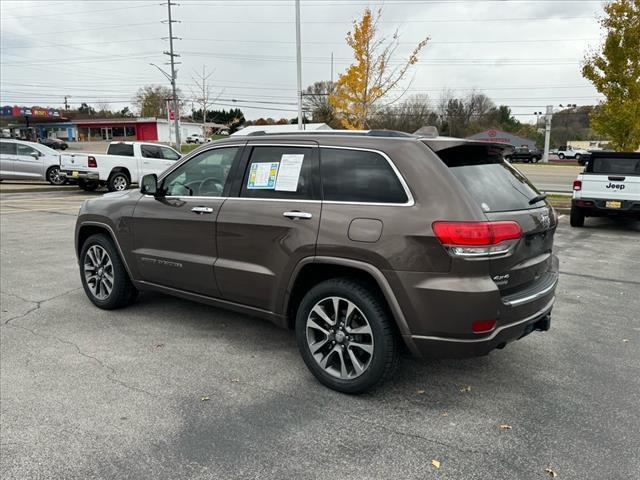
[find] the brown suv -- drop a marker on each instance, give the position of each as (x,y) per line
(363,243)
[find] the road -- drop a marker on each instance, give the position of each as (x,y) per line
(551,178)
(170,389)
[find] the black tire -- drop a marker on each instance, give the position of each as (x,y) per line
(118,182)
(384,358)
(123,292)
(578,157)
(576,218)
(561,156)
(87,186)
(53,176)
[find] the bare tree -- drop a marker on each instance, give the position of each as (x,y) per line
(202,94)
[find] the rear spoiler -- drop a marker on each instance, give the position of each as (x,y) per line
(437,144)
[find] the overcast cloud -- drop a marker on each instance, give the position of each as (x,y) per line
(525,54)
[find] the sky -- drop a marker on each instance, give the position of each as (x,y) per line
(521,53)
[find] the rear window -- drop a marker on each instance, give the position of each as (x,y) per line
(124,149)
(492,182)
(7,148)
(617,165)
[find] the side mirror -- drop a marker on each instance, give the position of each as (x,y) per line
(35,154)
(149,184)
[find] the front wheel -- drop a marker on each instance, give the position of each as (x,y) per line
(54,177)
(118,182)
(576,218)
(104,277)
(345,336)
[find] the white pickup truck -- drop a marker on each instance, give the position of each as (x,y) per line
(123,164)
(608,186)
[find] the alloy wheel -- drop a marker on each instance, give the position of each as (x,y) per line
(339,338)
(119,183)
(54,176)
(98,272)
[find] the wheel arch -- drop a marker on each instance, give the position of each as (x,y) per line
(313,270)
(87,229)
(124,170)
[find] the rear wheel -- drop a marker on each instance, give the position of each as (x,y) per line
(578,156)
(345,336)
(104,278)
(87,186)
(53,176)
(576,219)
(561,156)
(118,182)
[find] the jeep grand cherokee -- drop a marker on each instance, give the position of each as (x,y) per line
(363,243)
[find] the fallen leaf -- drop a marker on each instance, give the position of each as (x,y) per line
(435,463)
(505,426)
(445,414)
(466,388)
(160,345)
(625,340)
(420,392)
(551,472)
(235,380)
(204,399)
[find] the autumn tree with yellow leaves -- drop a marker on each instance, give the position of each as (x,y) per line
(615,72)
(370,78)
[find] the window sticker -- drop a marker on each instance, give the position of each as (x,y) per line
(289,173)
(263,175)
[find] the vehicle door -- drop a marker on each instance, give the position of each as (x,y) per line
(175,233)
(28,163)
(153,160)
(269,223)
(7,159)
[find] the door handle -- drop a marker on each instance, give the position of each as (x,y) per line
(295,215)
(202,210)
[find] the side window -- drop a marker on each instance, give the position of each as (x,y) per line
(359,176)
(122,149)
(7,148)
(169,153)
(26,150)
(202,176)
(281,172)
(151,151)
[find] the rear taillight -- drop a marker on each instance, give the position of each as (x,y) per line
(477,239)
(483,326)
(91,162)
(577,185)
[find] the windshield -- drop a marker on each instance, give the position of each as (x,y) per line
(492,182)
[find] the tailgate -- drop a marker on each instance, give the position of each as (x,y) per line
(611,186)
(74,161)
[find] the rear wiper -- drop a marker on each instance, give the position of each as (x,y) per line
(537,198)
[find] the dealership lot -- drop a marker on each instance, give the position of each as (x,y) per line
(173,389)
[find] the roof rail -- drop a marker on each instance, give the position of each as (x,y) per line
(363,133)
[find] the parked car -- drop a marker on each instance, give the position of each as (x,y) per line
(570,152)
(524,154)
(29,161)
(360,242)
(197,138)
(54,143)
(609,186)
(123,164)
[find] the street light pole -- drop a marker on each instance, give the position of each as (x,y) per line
(299,64)
(547,133)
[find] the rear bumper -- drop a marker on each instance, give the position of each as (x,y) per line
(447,347)
(598,207)
(91,176)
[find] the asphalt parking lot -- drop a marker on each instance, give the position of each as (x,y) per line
(173,389)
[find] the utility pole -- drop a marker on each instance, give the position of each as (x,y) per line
(172,55)
(331,78)
(66,102)
(547,133)
(299,64)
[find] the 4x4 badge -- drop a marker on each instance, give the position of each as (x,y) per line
(545,220)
